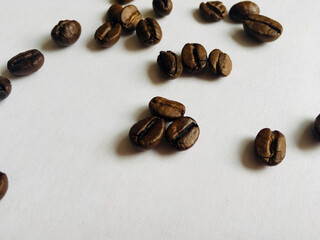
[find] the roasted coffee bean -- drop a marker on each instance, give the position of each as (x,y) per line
(66,33)
(147,133)
(3,184)
(162,7)
(108,34)
(130,17)
(124,1)
(220,63)
(183,133)
(194,57)
(167,109)
(149,32)
(114,13)
(26,62)
(262,28)
(213,11)
(170,64)
(239,11)
(316,127)
(270,146)
(5,88)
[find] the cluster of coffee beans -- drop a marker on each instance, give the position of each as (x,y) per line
(3,184)
(194,60)
(181,134)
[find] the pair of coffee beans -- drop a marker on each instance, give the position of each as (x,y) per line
(66,32)
(3,184)
(181,134)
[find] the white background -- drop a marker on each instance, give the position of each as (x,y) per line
(73,173)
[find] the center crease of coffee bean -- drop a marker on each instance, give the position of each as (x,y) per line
(196,58)
(144,132)
(269,25)
(213,8)
(192,125)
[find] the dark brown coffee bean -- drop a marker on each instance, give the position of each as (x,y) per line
(241,10)
(162,7)
(194,57)
(5,88)
(220,63)
(3,184)
(270,146)
(213,11)
(149,32)
(114,13)
(316,127)
(167,109)
(108,34)
(66,33)
(130,17)
(26,62)
(170,64)
(147,133)
(124,1)
(262,28)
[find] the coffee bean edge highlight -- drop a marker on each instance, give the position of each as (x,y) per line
(167,109)
(212,11)
(162,7)
(149,32)
(66,32)
(241,10)
(5,88)
(4,184)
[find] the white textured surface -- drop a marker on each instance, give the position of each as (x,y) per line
(74,175)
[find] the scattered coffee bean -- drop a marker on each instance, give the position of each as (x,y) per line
(170,64)
(3,184)
(213,11)
(162,7)
(167,109)
(66,33)
(194,57)
(124,1)
(130,17)
(183,133)
(262,28)
(148,133)
(149,32)
(108,34)
(26,62)
(5,88)
(220,63)
(114,13)
(270,146)
(239,11)
(316,127)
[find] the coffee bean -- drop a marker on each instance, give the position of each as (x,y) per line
(220,63)
(66,33)
(194,57)
(3,184)
(147,133)
(114,13)
(170,64)
(262,28)
(316,127)
(26,62)
(149,32)
(108,34)
(124,1)
(167,109)
(213,11)
(239,11)
(5,88)
(162,7)
(183,133)
(270,146)
(130,17)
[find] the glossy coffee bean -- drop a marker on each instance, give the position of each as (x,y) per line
(316,127)
(5,88)
(194,57)
(66,33)
(124,1)
(170,64)
(213,11)
(149,32)
(241,10)
(183,133)
(114,13)
(130,17)
(270,146)
(3,184)
(167,109)
(262,28)
(162,7)
(220,63)
(147,133)
(26,63)
(108,34)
